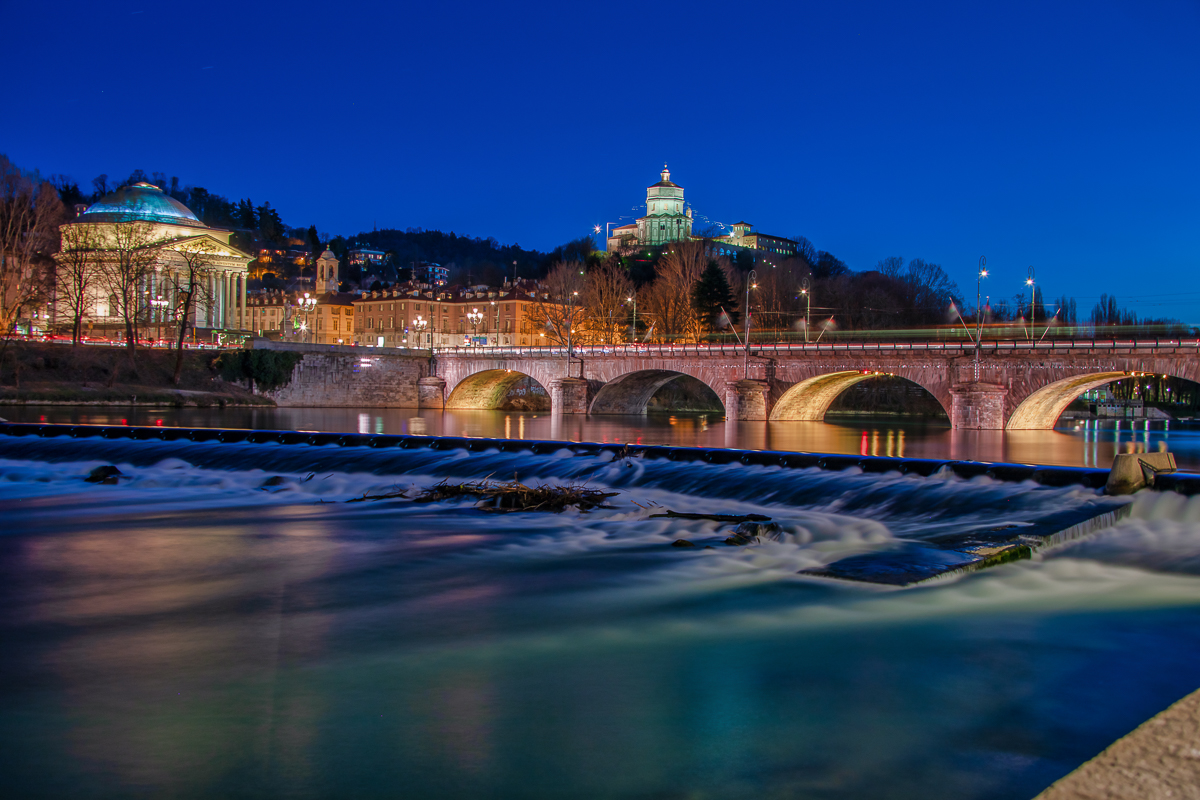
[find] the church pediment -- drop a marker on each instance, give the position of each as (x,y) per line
(210,245)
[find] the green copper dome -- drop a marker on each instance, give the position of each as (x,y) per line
(141,202)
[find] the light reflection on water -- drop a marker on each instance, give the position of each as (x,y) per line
(1083,444)
(189,633)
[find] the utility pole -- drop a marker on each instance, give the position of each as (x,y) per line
(750,284)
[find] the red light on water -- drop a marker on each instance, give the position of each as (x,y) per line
(42,418)
(864,443)
(158,422)
(124,422)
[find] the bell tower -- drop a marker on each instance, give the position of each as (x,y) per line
(327,272)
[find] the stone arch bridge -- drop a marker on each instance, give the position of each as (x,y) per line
(1014,385)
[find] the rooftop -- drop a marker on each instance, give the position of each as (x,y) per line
(141,202)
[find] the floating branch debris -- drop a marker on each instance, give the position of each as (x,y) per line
(735,518)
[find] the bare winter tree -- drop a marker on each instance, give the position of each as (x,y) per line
(130,253)
(605,301)
(193,291)
(30,213)
(777,302)
(77,275)
(667,302)
(559,307)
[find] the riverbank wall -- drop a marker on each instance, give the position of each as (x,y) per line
(42,373)
(343,376)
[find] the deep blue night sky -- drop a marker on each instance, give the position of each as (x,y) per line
(1062,136)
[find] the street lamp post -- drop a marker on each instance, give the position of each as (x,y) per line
(633,299)
(750,284)
(160,304)
(307,304)
(496,308)
(1032,304)
(979,310)
(474,315)
(570,330)
(420,324)
(805,290)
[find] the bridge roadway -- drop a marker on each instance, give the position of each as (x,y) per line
(1013,384)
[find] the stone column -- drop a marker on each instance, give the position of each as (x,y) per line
(746,400)
(245,323)
(568,396)
(218,304)
(431,392)
(977,406)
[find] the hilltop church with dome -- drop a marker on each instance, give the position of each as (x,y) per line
(668,219)
(145,215)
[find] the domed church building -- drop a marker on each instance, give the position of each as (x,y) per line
(165,235)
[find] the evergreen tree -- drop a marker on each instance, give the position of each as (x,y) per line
(711,294)
(314,241)
(246,218)
(269,223)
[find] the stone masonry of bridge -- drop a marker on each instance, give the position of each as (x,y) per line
(1022,387)
(341,376)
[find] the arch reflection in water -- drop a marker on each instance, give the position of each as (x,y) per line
(1093,443)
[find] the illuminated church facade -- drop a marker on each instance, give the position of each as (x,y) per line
(142,216)
(669,219)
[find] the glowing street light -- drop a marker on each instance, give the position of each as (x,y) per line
(474,315)
(751,283)
(571,329)
(633,299)
(979,310)
(1032,304)
(307,304)
(420,323)
(159,303)
(804,290)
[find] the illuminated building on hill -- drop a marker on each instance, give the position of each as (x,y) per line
(669,219)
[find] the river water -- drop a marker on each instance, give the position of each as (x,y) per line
(1090,444)
(223,623)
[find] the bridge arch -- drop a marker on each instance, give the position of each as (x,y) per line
(489,389)
(1042,408)
(809,399)
(631,393)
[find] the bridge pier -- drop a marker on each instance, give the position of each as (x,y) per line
(431,392)
(568,396)
(977,406)
(746,400)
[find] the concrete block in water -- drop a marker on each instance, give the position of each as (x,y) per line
(917,560)
(1133,471)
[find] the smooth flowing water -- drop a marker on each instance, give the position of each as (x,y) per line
(1090,444)
(223,622)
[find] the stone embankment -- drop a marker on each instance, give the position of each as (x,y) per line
(1161,759)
